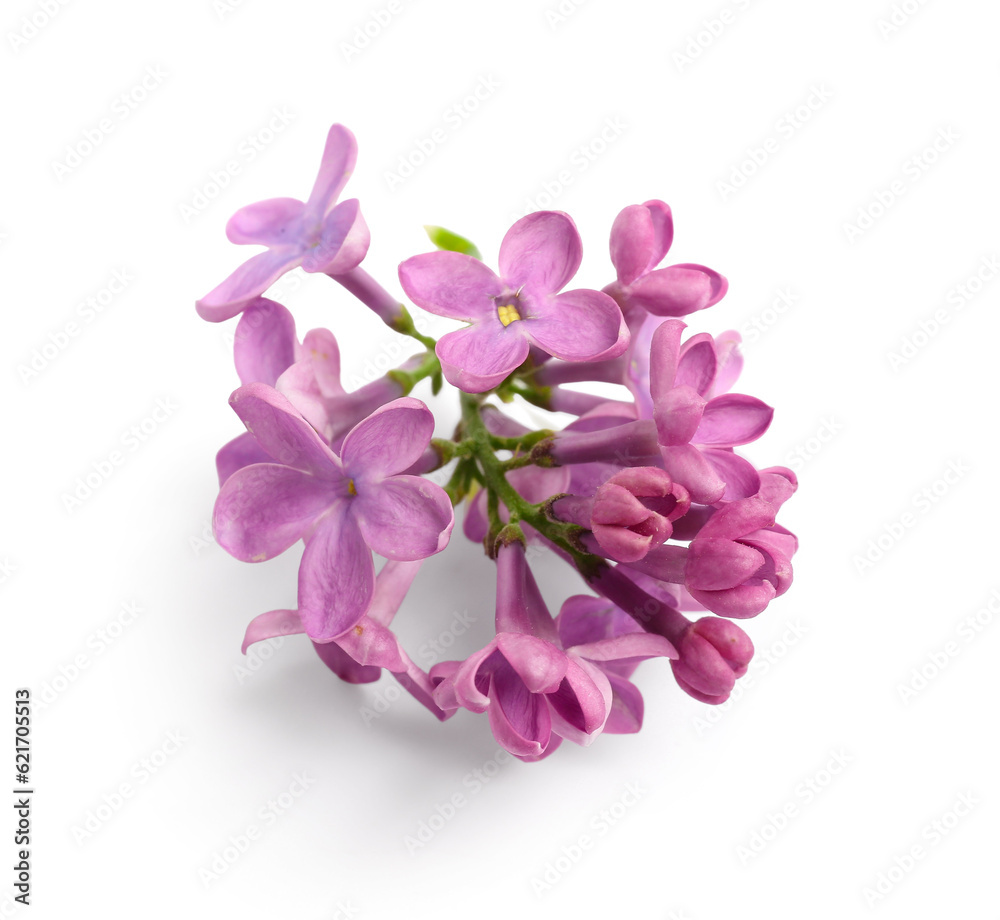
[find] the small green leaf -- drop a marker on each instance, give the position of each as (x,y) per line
(452,242)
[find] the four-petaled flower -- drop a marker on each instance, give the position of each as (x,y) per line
(519,307)
(343,507)
(319,234)
(640,238)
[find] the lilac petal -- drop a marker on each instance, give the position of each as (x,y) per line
(344,666)
(584,619)
(371,643)
(535,483)
(733,419)
(688,466)
(265,344)
(537,662)
(714,564)
(744,601)
(388,441)
(625,717)
(339,156)
(741,479)
(250,280)
(283,433)
(405,517)
(633,238)
(551,745)
(779,568)
(678,414)
(678,290)
(271,625)
(621,543)
(542,250)
(520,720)
(321,348)
(336,576)
(737,519)
(451,284)
(698,695)
(443,687)
(461,685)
(476,524)
(263,509)
(663,229)
(298,384)
(580,706)
(702,667)
(730,362)
(698,363)
(274,222)
(637,368)
(503,426)
(664,351)
(777,485)
(242,451)
(343,241)
(479,357)
(579,325)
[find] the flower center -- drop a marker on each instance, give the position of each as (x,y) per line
(350,487)
(508,313)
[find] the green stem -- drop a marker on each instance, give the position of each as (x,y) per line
(429,367)
(493,476)
(404,324)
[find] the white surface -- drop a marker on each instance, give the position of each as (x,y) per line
(841,643)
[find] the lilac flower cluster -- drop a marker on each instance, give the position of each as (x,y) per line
(645,497)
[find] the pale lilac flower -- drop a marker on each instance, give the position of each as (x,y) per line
(640,238)
(697,430)
(343,507)
(520,307)
(267,350)
(359,655)
(319,234)
(513,678)
(535,692)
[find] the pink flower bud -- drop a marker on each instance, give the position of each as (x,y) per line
(634,510)
(713,653)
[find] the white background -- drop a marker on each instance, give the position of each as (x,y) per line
(834,680)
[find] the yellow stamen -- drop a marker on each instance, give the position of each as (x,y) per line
(350,487)
(508,313)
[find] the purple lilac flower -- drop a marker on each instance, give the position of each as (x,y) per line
(267,350)
(343,507)
(640,237)
(536,692)
(520,307)
(319,234)
(359,655)
(697,431)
